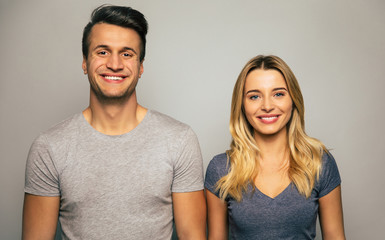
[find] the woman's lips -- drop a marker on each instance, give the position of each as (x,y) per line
(268,119)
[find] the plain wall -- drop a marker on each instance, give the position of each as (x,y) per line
(195,52)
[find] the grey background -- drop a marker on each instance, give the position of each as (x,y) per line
(195,51)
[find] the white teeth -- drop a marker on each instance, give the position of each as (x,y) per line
(268,118)
(114,78)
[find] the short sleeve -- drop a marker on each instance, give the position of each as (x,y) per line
(215,171)
(41,176)
(188,167)
(329,177)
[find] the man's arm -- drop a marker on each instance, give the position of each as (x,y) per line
(330,215)
(40,215)
(190,215)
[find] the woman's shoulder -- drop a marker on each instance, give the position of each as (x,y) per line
(216,169)
(219,161)
(218,165)
(329,177)
(328,160)
(222,157)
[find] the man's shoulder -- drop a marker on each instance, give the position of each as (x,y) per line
(63,129)
(167,123)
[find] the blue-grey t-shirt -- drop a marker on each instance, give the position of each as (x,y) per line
(287,216)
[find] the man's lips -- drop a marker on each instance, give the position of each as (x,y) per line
(113,78)
(268,118)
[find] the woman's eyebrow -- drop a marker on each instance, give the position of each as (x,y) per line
(257,91)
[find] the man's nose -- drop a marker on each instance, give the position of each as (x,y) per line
(115,63)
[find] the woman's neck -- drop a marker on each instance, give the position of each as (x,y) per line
(274,148)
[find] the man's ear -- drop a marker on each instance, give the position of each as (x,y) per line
(141,69)
(84,65)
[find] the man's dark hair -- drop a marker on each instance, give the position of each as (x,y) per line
(117,15)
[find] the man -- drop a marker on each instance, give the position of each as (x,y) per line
(117,170)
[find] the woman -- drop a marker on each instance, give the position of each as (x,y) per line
(274,179)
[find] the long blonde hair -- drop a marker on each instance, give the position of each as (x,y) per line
(243,156)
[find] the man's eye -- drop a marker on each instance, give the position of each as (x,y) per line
(127,54)
(102,53)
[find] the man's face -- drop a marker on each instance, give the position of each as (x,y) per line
(113,64)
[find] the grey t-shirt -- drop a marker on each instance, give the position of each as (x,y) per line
(115,187)
(287,216)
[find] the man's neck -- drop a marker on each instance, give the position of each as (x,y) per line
(114,119)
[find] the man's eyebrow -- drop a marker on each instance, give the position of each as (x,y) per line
(129,49)
(107,47)
(257,91)
(101,46)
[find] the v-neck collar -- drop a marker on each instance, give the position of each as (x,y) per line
(279,196)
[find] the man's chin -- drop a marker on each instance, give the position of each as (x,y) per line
(113,98)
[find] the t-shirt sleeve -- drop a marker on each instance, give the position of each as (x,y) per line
(188,168)
(41,176)
(215,171)
(329,177)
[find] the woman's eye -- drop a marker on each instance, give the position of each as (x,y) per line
(255,97)
(279,94)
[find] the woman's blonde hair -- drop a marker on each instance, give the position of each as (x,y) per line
(243,156)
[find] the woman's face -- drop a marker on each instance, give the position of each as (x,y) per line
(267,103)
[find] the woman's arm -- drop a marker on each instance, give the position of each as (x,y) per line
(331,216)
(217,217)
